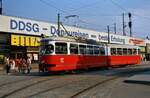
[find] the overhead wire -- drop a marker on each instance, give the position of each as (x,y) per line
(119,6)
(53,6)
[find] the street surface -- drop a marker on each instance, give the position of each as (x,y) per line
(101,83)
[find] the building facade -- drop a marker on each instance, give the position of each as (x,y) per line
(20,37)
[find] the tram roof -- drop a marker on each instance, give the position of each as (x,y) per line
(74,40)
(122,46)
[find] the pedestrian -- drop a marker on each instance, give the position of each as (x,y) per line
(24,65)
(28,64)
(20,65)
(17,65)
(7,65)
(12,65)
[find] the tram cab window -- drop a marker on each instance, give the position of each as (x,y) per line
(134,51)
(129,51)
(89,50)
(119,51)
(61,48)
(73,49)
(124,51)
(82,49)
(48,49)
(96,50)
(113,51)
(102,50)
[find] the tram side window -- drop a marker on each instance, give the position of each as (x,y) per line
(82,49)
(113,51)
(134,51)
(124,51)
(119,51)
(129,51)
(89,50)
(73,49)
(61,48)
(102,50)
(139,51)
(96,50)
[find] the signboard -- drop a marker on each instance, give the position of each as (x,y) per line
(31,27)
(23,26)
(20,40)
(138,42)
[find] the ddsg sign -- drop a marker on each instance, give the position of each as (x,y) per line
(24,26)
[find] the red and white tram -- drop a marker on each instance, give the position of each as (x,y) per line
(58,55)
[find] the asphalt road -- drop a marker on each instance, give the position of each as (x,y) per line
(100,83)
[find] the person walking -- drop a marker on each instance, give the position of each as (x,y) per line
(7,65)
(28,64)
(24,65)
(12,64)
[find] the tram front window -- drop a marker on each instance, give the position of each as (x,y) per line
(48,49)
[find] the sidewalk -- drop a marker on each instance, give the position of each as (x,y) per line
(34,66)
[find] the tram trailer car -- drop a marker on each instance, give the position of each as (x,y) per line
(122,55)
(57,55)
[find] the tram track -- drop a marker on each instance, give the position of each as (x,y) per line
(36,81)
(127,73)
(98,83)
(66,83)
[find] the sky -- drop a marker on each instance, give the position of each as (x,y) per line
(90,14)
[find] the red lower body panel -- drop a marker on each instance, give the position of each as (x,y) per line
(123,60)
(72,62)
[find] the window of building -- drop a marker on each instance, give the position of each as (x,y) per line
(61,48)
(73,49)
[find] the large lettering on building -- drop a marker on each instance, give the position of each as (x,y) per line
(23,26)
(20,40)
(113,39)
(62,32)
